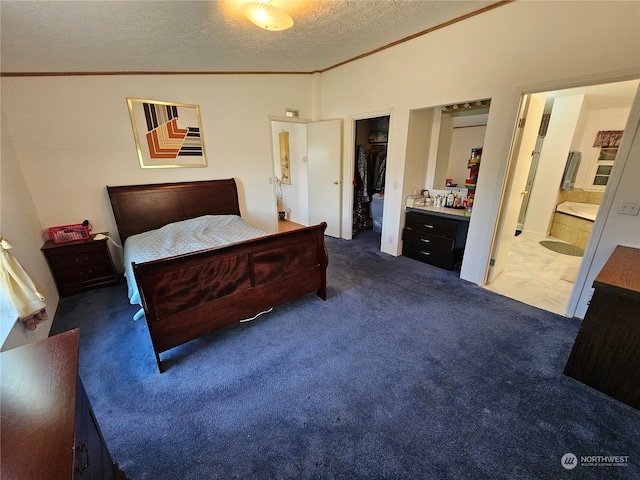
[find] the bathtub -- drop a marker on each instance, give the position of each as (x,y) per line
(588,211)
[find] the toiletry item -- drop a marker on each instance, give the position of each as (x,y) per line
(449,200)
(414,201)
(470,203)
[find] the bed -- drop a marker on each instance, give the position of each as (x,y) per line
(188,295)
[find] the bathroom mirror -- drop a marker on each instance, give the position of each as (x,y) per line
(461,127)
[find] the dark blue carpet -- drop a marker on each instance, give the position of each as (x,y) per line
(405,372)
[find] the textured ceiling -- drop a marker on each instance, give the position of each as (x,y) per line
(102,36)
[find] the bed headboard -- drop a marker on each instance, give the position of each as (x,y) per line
(139,208)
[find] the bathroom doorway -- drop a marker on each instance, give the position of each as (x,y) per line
(531,272)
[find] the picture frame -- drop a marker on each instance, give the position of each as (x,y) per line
(167,134)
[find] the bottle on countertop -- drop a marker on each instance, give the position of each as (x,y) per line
(450,200)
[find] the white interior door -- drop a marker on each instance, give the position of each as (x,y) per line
(520,161)
(324,150)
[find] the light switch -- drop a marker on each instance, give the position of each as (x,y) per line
(628,208)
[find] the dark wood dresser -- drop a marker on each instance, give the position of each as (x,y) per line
(80,264)
(606,353)
(434,238)
(48,428)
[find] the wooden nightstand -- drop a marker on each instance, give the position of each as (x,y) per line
(80,264)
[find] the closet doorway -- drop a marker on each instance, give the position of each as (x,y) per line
(370,168)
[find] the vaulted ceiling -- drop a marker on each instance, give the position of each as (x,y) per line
(186,36)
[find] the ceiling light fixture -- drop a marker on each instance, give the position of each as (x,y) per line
(267,16)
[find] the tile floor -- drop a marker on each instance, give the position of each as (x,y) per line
(536,275)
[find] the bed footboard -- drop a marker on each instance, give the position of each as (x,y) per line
(188,296)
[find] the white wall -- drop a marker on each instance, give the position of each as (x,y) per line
(553,158)
(19,223)
(599,119)
(73,136)
(518,47)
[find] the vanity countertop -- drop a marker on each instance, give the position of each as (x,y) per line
(457,213)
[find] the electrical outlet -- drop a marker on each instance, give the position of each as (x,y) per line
(628,208)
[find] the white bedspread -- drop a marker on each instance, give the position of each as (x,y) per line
(183,237)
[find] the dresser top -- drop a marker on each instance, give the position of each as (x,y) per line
(621,273)
(38,408)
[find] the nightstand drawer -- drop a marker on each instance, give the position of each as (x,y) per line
(80,264)
(82,258)
(87,273)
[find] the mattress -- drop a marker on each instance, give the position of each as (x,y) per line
(178,238)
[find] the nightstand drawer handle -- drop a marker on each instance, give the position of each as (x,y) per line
(428,226)
(425,240)
(424,253)
(78,259)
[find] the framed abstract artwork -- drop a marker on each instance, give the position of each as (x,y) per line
(167,134)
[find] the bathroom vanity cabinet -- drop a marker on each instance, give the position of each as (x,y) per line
(435,236)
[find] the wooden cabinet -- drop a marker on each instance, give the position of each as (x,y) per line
(48,428)
(605,355)
(435,239)
(80,264)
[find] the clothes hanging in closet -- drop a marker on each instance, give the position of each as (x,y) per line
(379,160)
(361,197)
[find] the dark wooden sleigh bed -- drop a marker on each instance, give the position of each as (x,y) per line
(187,296)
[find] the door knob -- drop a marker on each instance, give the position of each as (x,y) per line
(336,182)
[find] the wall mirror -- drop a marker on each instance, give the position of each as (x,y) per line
(461,127)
